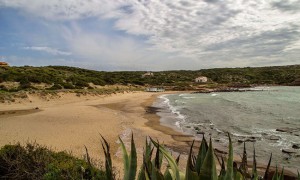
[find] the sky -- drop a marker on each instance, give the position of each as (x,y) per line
(113,35)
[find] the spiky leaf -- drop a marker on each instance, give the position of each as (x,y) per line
(244,164)
(229,171)
(254,169)
(208,169)
(266,176)
(223,171)
(174,168)
(282,174)
(190,172)
(201,154)
(132,161)
(275,176)
(108,162)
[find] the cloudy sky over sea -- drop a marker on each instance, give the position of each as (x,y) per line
(150,34)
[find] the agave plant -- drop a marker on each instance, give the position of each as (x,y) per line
(199,167)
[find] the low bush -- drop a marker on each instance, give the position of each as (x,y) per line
(36,162)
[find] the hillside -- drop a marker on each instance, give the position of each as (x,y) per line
(63,77)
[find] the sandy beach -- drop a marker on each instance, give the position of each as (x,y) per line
(70,122)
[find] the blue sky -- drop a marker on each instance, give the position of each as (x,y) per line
(150,34)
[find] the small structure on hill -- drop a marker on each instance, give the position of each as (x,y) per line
(201,79)
(155,89)
(147,74)
(4,64)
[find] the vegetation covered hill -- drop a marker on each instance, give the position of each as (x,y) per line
(63,77)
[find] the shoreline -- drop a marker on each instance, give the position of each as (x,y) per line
(154,123)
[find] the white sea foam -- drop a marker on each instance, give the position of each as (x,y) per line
(173,110)
(214,94)
(188,97)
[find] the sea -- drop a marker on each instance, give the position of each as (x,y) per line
(254,116)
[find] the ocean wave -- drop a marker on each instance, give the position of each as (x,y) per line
(189,97)
(174,110)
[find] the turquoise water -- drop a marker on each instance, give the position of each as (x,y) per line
(255,114)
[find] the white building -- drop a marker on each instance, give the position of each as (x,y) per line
(148,74)
(155,89)
(201,79)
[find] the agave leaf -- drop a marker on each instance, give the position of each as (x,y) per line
(147,170)
(142,171)
(177,159)
(108,163)
(156,164)
(125,158)
(157,158)
(175,171)
(223,171)
(275,176)
(201,154)
(244,164)
(88,156)
(157,175)
(149,150)
(254,170)
(190,172)
(167,174)
(282,174)
(266,176)
(236,174)
(132,161)
(208,169)
(229,171)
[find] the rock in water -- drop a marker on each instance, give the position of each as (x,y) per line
(288,151)
(286,129)
(275,138)
(296,146)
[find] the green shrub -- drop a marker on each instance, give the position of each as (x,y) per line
(36,162)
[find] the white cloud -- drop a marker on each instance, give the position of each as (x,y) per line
(202,31)
(49,50)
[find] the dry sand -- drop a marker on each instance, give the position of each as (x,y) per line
(70,122)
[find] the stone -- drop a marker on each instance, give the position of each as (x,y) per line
(296,146)
(221,151)
(288,151)
(217,140)
(200,132)
(286,129)
(275,138)
(241,140)
(250,140)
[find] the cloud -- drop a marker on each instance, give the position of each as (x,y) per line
(287,5)
(49,50)
(203,33)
